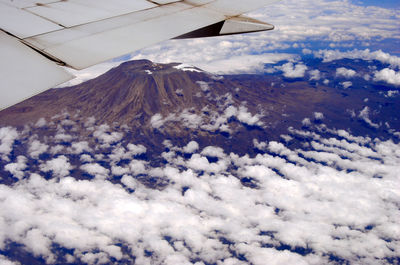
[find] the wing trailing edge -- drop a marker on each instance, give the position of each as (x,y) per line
(232,26)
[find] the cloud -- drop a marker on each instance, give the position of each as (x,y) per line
(17,168)
(286,138)
(8,135)
(388,75)
(364,115)
(346,84)
(95,170)
(282,204)
(200,163)
(209,119)
(5,261)
(90,122)
(344,72)
(332,55)
(246,117)
(38,244)
(293,71)
(157,121)
(315,74)
(41,123)
(189,119)
(318,116)
(334,20)
(245,63)
(306,122)
(213,151)
(392,93)
(79,147)
(63,137)
(86,158)
(104,136)
(204,86)
(36,148)
(306,51)
(60,166)
(191,147)
(136,149)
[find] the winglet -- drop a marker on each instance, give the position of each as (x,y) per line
(235,25)
(242,24)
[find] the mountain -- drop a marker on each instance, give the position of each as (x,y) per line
(153,99)
(167,164)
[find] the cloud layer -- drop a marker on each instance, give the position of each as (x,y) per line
(334,200)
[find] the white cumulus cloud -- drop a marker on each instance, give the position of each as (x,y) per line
(389,76)
(291,70)
(59,166)
(344,72)
(282,205)
(8,135)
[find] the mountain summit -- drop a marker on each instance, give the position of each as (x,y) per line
(135,88)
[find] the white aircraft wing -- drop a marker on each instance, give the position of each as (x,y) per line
(37,37)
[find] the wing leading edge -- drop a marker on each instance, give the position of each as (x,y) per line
(35,37)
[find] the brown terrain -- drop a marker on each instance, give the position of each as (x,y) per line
(129,95)
(132,93)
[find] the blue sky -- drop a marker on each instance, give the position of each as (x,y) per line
(381,3)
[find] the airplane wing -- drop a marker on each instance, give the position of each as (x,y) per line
(37,37)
